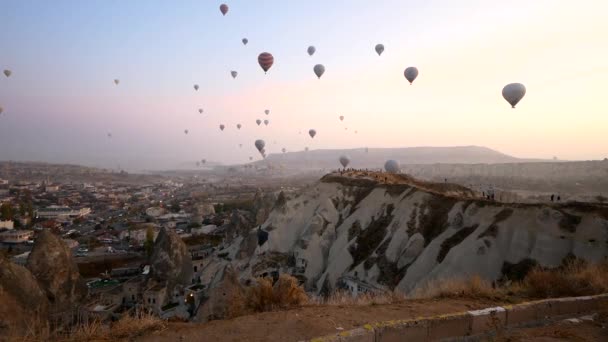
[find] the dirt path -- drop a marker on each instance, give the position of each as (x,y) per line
(309,322)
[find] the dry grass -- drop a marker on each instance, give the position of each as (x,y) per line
(285,293)
(575,278)
(345,298)
(474,287)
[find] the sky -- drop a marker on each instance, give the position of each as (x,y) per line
(60,103)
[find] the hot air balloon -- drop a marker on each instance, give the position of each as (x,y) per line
(410,74)
(344,160)
(356,132)
(200,110)
(311,50)
(265,60)
(224,9)
(319,70)
(204,161)
(116,81)
(513,93)
(240,145)
(245,41)
(109,135)
(306,148)
(379,49)
(250,158)
(222,127)
(233,73)
(266,122)
(8,73)
(341,117)
(238,126)
(196,87)
(259,144)
(267,111)
(258,121)
(391,166)
(312,133)
(346,128)
(1,110)
(185,131)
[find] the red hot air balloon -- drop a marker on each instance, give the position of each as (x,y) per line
(224,9)
(266,60)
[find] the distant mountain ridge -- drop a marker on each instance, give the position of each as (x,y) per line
(376,157)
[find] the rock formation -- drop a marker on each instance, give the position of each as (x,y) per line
(226,297)
(22,302)
(171,262)
(263,203)
(52,265)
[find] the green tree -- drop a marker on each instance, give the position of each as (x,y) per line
(6,211)
(149,243)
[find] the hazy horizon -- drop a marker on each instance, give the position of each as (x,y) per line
(60,102)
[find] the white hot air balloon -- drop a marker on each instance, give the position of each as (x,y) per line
(200,110)
(267,111)
(341,117)
(258,121)
(379,49)
(319,70)
(234,73)
(196,87)
(7,73)
(410,74)
(391,166)
(344,160)
(238,126)
(266,122)
(312,133)
(222,127)
(259,144)
(116,81)
(311,50)
(513,93)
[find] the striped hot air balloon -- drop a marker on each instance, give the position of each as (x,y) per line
(266,60)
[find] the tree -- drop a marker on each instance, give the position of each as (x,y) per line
(6,211)
(149,243)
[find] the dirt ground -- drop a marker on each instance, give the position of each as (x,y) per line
(310,321)
(561,331)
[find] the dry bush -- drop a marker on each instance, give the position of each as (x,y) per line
(345,298)
(474,287)
(575,278)
(263,296)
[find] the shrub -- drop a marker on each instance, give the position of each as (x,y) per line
(474,287)
(285,293)
(575,278)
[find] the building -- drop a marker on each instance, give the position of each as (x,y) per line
(16,236)
(54,212)
(356,286)
(6,224)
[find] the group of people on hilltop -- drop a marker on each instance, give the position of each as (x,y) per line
(555,198)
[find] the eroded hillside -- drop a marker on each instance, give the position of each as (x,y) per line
(394,232)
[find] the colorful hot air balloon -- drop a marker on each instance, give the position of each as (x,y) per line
(233,73)
(266,60)
(222,127)
(391,166)
(266,122)
(200,110)
(116,81)
(196,87)
(319,70)
(513,93)
(410,74)
(258,121)
(245,41)
(312,133)
(344,160)
(224,9)
(7,73)
(259,144)
(341,117)
(267,111)
(238,126)
(311,50)
(379,49)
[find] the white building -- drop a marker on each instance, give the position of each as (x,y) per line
(6,224)
(16,236)
(55,211)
